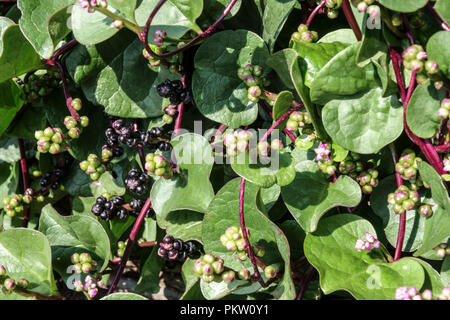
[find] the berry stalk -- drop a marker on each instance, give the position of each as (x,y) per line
(126,23)
(58,53)
(315,11)
(137,225)
(205,34)
(436,17)
(351,19)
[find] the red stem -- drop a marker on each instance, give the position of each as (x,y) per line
(25,179)
(67,95)
(58,53)
(351,19)
(203,35)
(277,123)
(315,11)
(436,17)
(177,126)
(286,131)
(131,239)
(444,148)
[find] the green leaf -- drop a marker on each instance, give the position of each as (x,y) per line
(282,105)
(32,119)
(437,50)
(415,223)
(218,92)
(436,226)
(12,42)
(77,182)
(422,114)
(310,195)
(281,62)
(106,183)
(274,18)
(11,101)
(404,5)
(175,17)
(74,234)
(346,36)
(124,296)
(365,275)
(9,179)
(442,7)
(26,253)
(123,82)
(44,23)
(432,279)
(191,188)
(316,56)
(445,271)
(295,235)
(149,278)
(364,123)
(223,212)
(184,224)
(341,77)
(9,150)
(214,8)
(373,45)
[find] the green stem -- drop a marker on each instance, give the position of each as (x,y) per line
(127,23)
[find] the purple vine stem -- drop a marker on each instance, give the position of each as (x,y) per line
(256,274)
(136,227)
(305,281)
(436,17)
(180,108)
(205,34)
(277,123)
(25,180)
(315,11)
(286,131)
(351,19)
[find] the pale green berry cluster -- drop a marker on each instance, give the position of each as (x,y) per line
(121,245)
(9,285)
(210,268)
(403,199)
(407,165)
(304,35)
(172,61)
(50,140)
(93,167)
(415,59)
(362,5)
(442,250)
(368,180)
(253,76)
(238,141)
(333,8)
(301,123)
(15,204)
(234,241)
(157,165)
(83,263)
(352,165)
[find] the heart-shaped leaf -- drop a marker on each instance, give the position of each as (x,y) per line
(442,7)
(184,224)
(223,212)
(274,18)
(282,105)
(74,234)
(26,253)
(341,77)
(218,92)
(404,5)
(11,101)
(310,195)
(364,123)
(346,36)
(279,170)
(436,226)
(12,41)
(422,114)
(44,23)
(191,188)
(437,51)
(316,56)
(365,275)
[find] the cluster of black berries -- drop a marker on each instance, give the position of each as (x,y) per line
(107,207)
(174,91)
(51,179)
(152,137)
(136,181)
(136,205)
(175,249)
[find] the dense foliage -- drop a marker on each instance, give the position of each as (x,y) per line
(294,149)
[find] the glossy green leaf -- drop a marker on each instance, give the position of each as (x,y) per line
(404,5)
(124,296)
(26,253)
(218,92)
(12,41)
(341,77)
(310,195)
(11,101)
(278,169)
(437,51)
(281,62)
(432,279)
(436,226)
(442,7)
(44,23)
(223,212)
(274,18)
(74,234)
(365,275)
(282,105)
(364,123)
(341,35)
(316,56)
(9,179)
(106,183)
(184,224)
(422,114)
(445,271)
(191,188)
(9,150)
(415,223)
(149,278)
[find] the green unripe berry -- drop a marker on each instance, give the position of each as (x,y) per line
(94,176)
(396,20)
(291,125)
(74,133)
(270,272)
(48,132)
(84,121)
(75,258)
(302,28)
(242,255)
(208,278)
(257,71)
(425,210)
(85,258)
(332,13)
(244,274)
(54,148)
(167,119)
(228,276)
(217,267)
(10,213)
(86,267)
(101,169)
(23,283)
(208,258)
(84,165)
(40,198)
(76,104)
(9,284)
(367,189)
(38,134)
